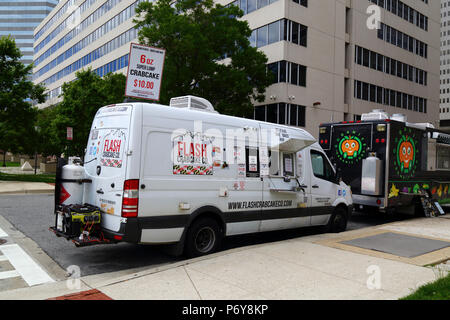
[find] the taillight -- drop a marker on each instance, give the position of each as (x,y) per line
(130,198)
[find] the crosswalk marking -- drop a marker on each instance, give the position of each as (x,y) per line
(3,234)
(29,270)
(9,274)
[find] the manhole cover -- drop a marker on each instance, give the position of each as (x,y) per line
(2,241)
(398,244)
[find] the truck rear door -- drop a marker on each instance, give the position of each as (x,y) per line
(348,146)
(106,161)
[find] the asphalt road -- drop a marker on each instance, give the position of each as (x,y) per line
(33,215)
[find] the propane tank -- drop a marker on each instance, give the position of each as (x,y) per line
(71,186)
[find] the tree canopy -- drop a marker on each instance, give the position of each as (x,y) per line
(208,53)
(81,100)
(17,91)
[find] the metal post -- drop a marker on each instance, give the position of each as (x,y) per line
(37,129)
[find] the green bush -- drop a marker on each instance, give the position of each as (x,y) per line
(48,178)
(438,290)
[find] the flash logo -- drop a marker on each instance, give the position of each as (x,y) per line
(374,20)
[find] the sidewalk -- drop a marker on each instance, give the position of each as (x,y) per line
(311,267)
(11,187)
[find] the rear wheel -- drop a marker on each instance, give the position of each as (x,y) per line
(338,220)
(204,237)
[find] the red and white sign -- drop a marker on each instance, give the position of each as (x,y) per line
(112,149)
(192,156)
(64,195)
(144,74)
(69,133)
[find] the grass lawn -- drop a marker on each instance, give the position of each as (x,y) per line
(10,164)
(49,178)
(438,290)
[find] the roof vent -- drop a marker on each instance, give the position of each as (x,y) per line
(399,117)
(376,114)
(422,126)
(192,102)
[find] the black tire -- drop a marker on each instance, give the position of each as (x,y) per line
(203,237)
(338,220)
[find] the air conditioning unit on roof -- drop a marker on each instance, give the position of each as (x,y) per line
(376,114)
(193,103)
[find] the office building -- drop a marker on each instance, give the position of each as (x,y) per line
(445,66)
(81,34)
(328,63)
(19,18)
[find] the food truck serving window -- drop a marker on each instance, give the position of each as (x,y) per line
(443,157)
(274,162)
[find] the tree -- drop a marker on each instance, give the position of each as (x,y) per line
(47,145)
(197,35)
(17,91)
(81,100)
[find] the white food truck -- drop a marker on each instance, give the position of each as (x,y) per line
(184,174)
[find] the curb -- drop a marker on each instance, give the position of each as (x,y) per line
(49,191)
(19,187)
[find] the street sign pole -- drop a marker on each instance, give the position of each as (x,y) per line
(69,137)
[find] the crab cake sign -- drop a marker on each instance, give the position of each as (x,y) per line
(144,72)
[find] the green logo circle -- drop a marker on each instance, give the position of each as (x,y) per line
(350,147)
(405,153)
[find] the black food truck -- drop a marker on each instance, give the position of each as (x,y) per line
(390,163)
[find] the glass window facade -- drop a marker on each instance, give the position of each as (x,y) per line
(281,113)
(110,25)
(373,93)
(111,45)
(20,18)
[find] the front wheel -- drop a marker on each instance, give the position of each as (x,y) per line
(338,220)
(203,237)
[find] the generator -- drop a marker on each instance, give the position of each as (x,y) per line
(79,223)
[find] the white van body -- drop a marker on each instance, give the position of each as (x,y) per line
(136,141)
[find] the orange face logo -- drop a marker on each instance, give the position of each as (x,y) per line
(406,154)
(350,146)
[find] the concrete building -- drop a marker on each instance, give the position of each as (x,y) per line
(445,66)
(18,18)
(80,34)
(331,67)
(327,64)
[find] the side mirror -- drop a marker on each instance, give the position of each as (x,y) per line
(338,176)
